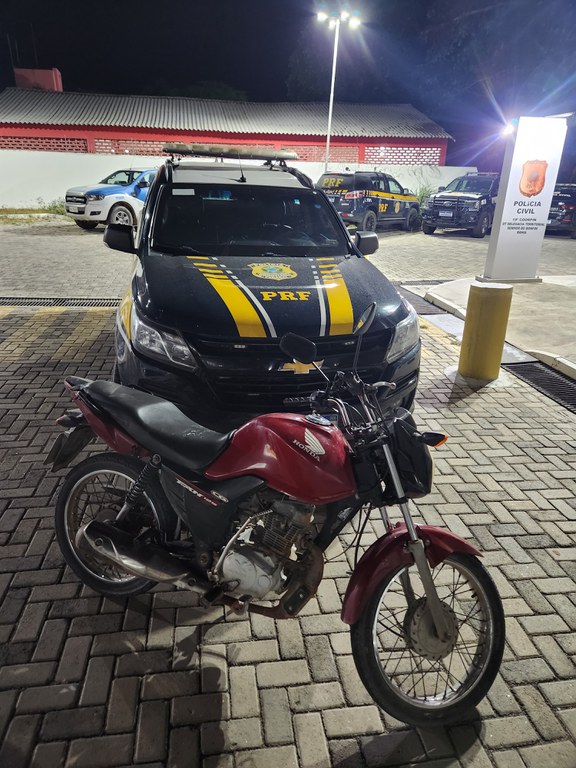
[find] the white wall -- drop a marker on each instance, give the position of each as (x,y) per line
(29,178)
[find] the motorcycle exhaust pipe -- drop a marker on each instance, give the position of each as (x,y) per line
(148,561)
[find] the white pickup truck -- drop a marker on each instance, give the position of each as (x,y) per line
(117,199)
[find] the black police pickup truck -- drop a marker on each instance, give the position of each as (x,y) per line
(367,199)
(468,202)
(230,257)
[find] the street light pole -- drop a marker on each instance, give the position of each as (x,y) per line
(331,105)
(334,22)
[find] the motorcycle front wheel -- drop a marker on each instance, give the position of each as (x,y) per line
(95,490)
(406,668)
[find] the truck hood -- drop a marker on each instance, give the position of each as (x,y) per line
(98,189)
(262,297)
(439,196)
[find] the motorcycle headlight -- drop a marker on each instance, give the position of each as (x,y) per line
(92,198)
(406,335)
(161,344)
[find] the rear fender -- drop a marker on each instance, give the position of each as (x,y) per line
(68,445)
(388,554)
(109,432)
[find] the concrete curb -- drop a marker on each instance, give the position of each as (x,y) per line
(449,306)
(558,363)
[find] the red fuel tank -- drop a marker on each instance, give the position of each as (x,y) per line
(307,461)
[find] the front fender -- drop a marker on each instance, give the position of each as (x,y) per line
(389,553)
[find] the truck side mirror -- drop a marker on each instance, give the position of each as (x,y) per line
(366,242)
(120,237)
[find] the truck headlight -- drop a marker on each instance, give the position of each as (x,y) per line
(475,206)
(427,202)
(406,335)
(161,344)
(92,198)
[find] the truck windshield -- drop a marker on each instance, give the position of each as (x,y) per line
(475,184)
(121,178)
(247,220)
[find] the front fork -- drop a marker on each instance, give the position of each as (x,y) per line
(415,546)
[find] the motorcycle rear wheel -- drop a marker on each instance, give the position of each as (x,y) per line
(95,489)
(407,670)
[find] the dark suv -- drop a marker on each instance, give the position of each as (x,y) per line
(367,199)
(468,202)
(230,257)
(562,216)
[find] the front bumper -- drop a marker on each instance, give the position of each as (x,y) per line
(458,219)
(560,224)
(239,390)
(96,211)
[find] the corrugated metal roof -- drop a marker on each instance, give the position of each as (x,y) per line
(33,107)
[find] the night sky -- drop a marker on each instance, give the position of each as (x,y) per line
(468,66)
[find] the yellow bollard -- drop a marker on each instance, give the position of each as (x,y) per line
(485,331)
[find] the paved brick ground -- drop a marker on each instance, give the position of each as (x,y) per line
(155,681)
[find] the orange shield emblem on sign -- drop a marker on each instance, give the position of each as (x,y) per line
(533,177)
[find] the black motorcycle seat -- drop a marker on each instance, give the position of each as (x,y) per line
(156,424)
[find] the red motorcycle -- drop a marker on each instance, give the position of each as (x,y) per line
(245,518)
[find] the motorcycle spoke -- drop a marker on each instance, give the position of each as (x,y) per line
(420,677)
(101,498)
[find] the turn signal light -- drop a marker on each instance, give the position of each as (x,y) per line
(434,439)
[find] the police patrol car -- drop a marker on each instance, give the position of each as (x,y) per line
(468,202)
(367,199)
(117,199)
(231,256)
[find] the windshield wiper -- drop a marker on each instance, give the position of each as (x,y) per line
(178,249)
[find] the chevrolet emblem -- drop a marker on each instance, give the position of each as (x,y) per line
(297,367)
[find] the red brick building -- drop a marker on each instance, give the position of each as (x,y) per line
(57,121)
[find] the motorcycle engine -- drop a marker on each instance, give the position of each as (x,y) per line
(254,564)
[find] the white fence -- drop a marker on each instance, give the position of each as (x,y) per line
(31,179)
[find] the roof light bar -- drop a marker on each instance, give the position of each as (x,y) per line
(237,152)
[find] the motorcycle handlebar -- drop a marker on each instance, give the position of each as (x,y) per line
(379,385)
(351,382)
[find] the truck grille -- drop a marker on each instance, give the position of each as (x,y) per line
(76,199)
(451,205)
(246,373)
(326,346)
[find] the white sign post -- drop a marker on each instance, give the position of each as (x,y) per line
(526,188)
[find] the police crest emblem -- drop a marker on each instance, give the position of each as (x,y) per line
(273,271)
(533,177)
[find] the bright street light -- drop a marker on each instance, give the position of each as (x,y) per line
(334,21)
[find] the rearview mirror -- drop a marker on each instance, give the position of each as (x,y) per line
(120,237)
(365,320)
(298,348)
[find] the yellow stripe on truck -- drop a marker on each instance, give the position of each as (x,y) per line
(339,303)
(245,316)
(247,320)
(125,311)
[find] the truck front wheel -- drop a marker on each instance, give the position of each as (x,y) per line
(86,224)
(482,227)
(121,214)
